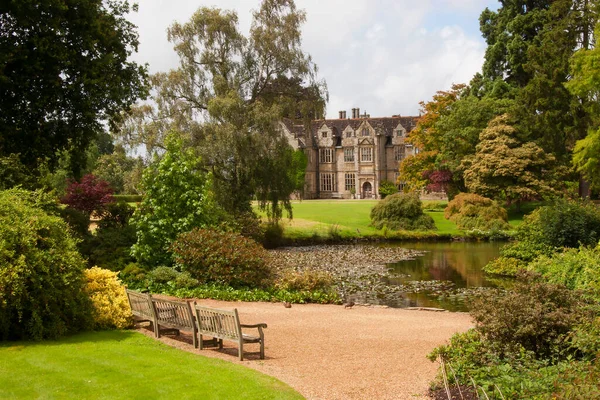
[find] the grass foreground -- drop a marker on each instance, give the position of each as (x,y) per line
(125,365)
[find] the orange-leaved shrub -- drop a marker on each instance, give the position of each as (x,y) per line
(222,257)
(472,211)
(109,301)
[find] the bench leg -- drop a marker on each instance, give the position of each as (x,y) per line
(201,342)
(241,350)
(220,344)
(262,350)
(195,339)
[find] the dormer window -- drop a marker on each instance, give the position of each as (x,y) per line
(365,132)
(399,133)
(348,134)
(324,134)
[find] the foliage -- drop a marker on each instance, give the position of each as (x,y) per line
(387,188)
(401,211)
(128,198)
(40,272)
(305,280)
(110,307)
(63,67)
(440,180)
(504,167)
(573,268)
(272,294)
(13,173)
(565,223)
(471,211)
(78,221)
(427,138)
(110,245)
(229,95)
(585,84)
(526,344)
(120,171)
(227,258)
(177,200)
(273,235)
(534,315)
(88,195)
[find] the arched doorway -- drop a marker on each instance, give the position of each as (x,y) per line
(367,190)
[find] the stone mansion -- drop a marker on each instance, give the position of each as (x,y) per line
(349,157)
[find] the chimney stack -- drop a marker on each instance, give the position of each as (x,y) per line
(341,115)
(353,113)
(358,113)
(344,114)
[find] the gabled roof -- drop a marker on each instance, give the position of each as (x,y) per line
(383,126)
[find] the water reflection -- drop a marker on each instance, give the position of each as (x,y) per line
(458,262)
(442,277)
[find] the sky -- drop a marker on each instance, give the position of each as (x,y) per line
(382,56)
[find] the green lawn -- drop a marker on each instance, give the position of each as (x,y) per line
(125,365)
(350,218)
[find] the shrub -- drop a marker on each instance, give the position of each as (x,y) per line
(564,224)
(133,273)
(88,195)
(162,274)
(387,188)
(109,301)
(309,280)
(177,200)
(537,341)
(548,229)
(78,221)
(110,245)
(472,211)
(534,315)
(401,211)
(574,268)
(273,235)
(223,257)
(41,272)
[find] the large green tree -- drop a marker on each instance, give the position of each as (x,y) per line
(586,85)
(229,94)
(63,69)
(505,167)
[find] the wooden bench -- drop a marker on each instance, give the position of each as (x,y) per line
(225,325)
(141,307)
(173,315)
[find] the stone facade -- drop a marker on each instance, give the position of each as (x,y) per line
(349,157)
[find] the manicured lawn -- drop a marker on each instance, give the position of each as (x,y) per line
(125,365)
(351,218)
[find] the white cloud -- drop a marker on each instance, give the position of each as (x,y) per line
(381,55)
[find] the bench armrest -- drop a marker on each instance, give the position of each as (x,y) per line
(253,326)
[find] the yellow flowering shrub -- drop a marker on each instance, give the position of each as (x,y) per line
(110,306)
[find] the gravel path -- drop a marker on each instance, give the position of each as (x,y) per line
(328,352)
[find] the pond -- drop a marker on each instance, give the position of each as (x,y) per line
(441,276)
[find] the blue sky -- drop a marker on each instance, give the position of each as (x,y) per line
(383,56)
